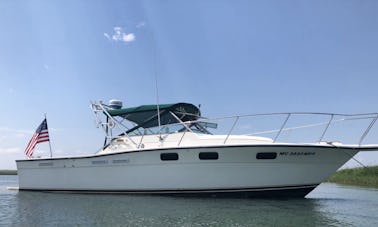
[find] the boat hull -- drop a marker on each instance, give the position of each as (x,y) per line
(240,171)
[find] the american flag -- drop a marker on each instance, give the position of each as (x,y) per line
(40,135)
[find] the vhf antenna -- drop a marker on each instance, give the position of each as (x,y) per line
(156,85)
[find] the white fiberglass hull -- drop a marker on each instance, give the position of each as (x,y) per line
(292,169)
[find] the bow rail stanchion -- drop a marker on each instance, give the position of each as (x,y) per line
(367,130)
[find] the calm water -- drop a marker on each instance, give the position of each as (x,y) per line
(328,205)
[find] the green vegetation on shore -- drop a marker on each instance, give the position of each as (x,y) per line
(364,176)
(8,172)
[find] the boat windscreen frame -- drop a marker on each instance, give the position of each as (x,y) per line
(146,117)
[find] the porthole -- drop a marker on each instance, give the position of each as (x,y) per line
(266,155)
(208,156)
(169,156)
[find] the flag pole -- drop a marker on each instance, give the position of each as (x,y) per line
(49,139)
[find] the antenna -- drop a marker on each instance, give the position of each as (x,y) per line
(156,86)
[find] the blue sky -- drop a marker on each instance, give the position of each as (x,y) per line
(238,56)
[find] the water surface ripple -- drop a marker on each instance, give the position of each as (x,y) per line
(328,205)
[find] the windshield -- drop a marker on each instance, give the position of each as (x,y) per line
(195,127)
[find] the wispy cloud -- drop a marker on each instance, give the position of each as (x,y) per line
(10,150)
(9,134)
(140,24)
(128,37)
(17,131)
(107,36)
(119,35)
(56,129)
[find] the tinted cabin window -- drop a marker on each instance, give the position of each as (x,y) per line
(169,156)
(208,155)
(266,155)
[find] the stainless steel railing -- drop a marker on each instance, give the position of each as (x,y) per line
(346,117)
(333,119)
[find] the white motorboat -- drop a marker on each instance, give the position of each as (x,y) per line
(170,149)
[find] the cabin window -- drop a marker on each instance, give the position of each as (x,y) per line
(208,155)
(169,156)
(266,155)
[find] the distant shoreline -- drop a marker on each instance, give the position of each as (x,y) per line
(8,172)
(363,176)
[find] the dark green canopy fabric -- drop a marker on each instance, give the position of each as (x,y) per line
(146,116)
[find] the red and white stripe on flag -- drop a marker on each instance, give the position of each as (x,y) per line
(41,135)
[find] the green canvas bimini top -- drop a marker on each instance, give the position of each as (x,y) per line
(146,116)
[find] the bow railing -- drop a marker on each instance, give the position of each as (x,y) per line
(332,120)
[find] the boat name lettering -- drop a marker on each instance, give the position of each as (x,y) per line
(46,164)
(100,162)
(119,161)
